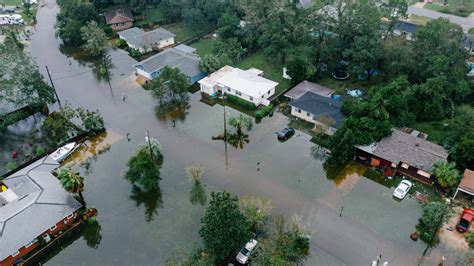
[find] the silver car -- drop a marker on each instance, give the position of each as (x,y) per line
(244,254)
(402,189)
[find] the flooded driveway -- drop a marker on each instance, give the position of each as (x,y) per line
(139,228)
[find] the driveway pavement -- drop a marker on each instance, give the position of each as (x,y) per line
(465,23)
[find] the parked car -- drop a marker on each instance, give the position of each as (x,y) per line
(465,221)
(402,189)
(286,133)
(244,254)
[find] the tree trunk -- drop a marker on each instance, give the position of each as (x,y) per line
(82,199)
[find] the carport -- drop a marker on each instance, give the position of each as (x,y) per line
(467,183)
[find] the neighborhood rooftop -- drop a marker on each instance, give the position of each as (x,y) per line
(320,106)
(407,148)
(187,63)
(140,38)
(244,81)
(185,48)
(305,86)
(118,16)
(38,202)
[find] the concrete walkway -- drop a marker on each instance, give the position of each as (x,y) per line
(465,23)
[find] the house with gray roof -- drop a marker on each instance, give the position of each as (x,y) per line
(119,19)
(187,63)
(147,41)
(324,112)
(32,204)
(405,152)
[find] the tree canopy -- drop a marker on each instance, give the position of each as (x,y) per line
(144,166)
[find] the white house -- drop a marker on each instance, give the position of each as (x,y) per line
(248,85)
(147,41)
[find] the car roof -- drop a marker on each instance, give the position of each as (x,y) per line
(251,244)
(468,214)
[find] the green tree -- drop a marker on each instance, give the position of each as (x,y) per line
(228,51)
(94,38)
(298,70)
(256,210)
(464,151)
(229,26)
(432,219)
(72,182)
(58,126)
(224,228)
(144,167)
(193,18)
(170,87)
(210,63)
(92,121)
(72,17)
(446,174)
(241,122)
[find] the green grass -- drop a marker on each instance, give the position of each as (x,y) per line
(203,46)
(182,32)
(471,31)
(154,15)
(28,18)
(272,71)
(12,2)
(436,130)
(455,7)
(418,20)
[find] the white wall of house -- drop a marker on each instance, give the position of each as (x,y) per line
(166,42)
(162,44)
(143,73)
(207,90)
(301,114)
(256,100)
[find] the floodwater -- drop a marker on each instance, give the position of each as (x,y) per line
(145,228)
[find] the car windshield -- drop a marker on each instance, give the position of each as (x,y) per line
(401,191)
(245,252)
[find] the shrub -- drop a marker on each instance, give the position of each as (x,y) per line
(121,43)
(39,151)
(470,239)
(264,111)
(241,102)
(11,165)
(135,53)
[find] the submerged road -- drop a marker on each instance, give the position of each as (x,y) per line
(371,223)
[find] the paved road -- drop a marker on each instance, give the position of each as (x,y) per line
(372,222)
(465,23)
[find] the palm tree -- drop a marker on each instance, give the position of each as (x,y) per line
(446,174)
(72,182)
(239,122)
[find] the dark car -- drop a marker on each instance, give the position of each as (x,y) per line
(465,221)
(286,133)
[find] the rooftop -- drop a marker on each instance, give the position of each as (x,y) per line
(407,148)
(35,202)
(118,16)
(245,81)
(305,86)
(187,63)
(467,182)
(140,38)
(185,48)
(318,106)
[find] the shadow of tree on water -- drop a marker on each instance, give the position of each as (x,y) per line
(92,234)
(151,199)
(198,194)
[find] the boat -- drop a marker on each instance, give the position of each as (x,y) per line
(60,154)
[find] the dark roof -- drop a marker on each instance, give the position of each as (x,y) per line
(118,16)
(318,105)
(187,63)
(406,26)
(407,148)
(305,86)
(468,40)
(37,202)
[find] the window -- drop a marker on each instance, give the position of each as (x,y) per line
(251,98)
(394,165)
(308,114)
(269,92)
(423,173)
(70,216)
(16,253)
(298,110)
(238,93)
(53,228)
(228,89)
(404,165)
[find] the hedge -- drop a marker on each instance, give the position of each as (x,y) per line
(241,102)
(264,111)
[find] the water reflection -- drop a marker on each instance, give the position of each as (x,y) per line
(92,234)
(318,153)
(340,173)
(198,194)
(172,111)
(151,200)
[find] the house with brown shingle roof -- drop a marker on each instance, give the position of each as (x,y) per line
(119,19)
(405,153)
(304,86)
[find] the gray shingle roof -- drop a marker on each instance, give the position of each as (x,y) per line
(406,148)
(187,63)
(41,203)
(318,105)
(185,48)
(142,39)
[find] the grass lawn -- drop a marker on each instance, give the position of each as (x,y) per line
(418,20)
(28,18)
(182,32)
(11,2)
(203,46)
(471,31)
(272,71)
(456,7)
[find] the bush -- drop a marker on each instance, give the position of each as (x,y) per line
(11,165)
(470,239)
(241,102)
(121,43)
(264,111)
(135,53)
(39,151)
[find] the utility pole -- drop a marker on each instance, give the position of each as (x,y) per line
(54,88)
(149,145)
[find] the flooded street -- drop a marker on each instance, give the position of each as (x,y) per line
(139,228)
